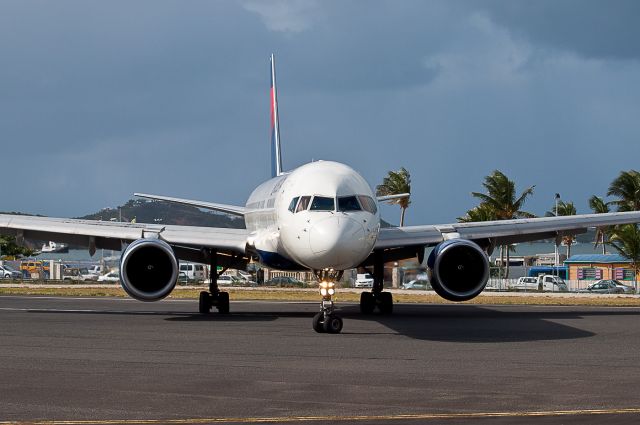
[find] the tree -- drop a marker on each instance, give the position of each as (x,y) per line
(626,240)
(396,183)
(564,208)
(482,212)
(502,201)
(627,188)
(8,246)
(599,206)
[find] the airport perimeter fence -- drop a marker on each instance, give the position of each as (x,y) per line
(509,285)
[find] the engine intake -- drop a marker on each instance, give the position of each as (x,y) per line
(148,269)
(459,269)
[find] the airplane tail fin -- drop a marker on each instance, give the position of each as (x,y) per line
(276,157)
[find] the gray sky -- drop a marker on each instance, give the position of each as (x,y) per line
(101,99)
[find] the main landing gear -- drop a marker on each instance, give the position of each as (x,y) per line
(215,297)
(327,321)
(383,301)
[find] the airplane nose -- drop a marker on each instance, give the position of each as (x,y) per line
(337,240)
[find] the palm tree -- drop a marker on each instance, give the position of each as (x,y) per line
(502,201)
(626,240)
(627,188)
(482,212)
(599,206)
(396,183)
(501,197)
(564,208)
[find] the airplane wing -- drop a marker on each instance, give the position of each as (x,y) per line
(187,241)
(229,209)
(500,232)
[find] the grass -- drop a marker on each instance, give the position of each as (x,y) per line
(277,294)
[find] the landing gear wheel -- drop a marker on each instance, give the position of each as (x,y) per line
(318,322)
(223,302)
(367,303)
(385,302)
(333,324)
(204,305)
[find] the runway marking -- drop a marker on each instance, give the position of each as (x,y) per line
(369,418)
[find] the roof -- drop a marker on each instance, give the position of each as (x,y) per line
(597,258)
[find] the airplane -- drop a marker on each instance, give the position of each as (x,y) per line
(322,216)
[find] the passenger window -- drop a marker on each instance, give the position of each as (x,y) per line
(303,204)
(321,203)
(348,203)
(368,204)
(292,205)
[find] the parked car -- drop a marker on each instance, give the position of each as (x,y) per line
(626,289)
(79,274)
(113,276)
(7,272)
(97,270)
(546,282)
(225,280)
(284,281)
(604,287)
(416,284)
(364,280)
(194,271)
(525,283)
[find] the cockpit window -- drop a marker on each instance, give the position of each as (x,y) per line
(368,204)
(303,204)
(348,203)
(321,203)
(292,205)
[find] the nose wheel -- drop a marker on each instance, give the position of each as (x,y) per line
(327,321)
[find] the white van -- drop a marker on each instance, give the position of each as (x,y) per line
(547,282)
(194,271)
(97,270)
(364,280)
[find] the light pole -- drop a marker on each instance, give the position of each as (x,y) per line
(557,259)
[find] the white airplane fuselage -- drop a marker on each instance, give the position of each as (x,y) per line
(322,215)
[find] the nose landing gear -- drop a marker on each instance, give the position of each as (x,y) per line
(327,321)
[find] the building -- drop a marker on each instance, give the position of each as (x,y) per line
(599,266)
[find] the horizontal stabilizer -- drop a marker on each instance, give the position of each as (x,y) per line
(229,209)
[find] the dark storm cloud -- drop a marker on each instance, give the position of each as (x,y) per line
(101,99)
(591,28)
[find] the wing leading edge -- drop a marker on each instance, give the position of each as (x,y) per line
(229,209)
(501,232)
(188,241)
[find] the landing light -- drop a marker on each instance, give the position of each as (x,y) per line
(327,288)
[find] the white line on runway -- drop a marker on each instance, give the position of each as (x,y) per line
(336,418)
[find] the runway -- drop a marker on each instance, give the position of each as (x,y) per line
(119,361)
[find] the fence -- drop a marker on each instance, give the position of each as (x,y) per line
(501,284)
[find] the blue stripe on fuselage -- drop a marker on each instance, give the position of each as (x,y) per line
(276,261)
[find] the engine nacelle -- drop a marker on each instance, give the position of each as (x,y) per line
(148,269)
(459,269)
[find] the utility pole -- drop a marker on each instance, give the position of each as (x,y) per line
(557,259)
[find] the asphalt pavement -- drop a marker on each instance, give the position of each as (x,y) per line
(118,361)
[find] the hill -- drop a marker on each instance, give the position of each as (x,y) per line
(165,213)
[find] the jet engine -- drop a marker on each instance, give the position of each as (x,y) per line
(459,269)
(148,269)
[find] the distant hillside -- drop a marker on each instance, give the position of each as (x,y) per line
(166,213)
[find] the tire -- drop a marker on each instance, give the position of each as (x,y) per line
(223,302)
(385,304)
(204,304)
(367,303)
(318,322)
(333,324)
